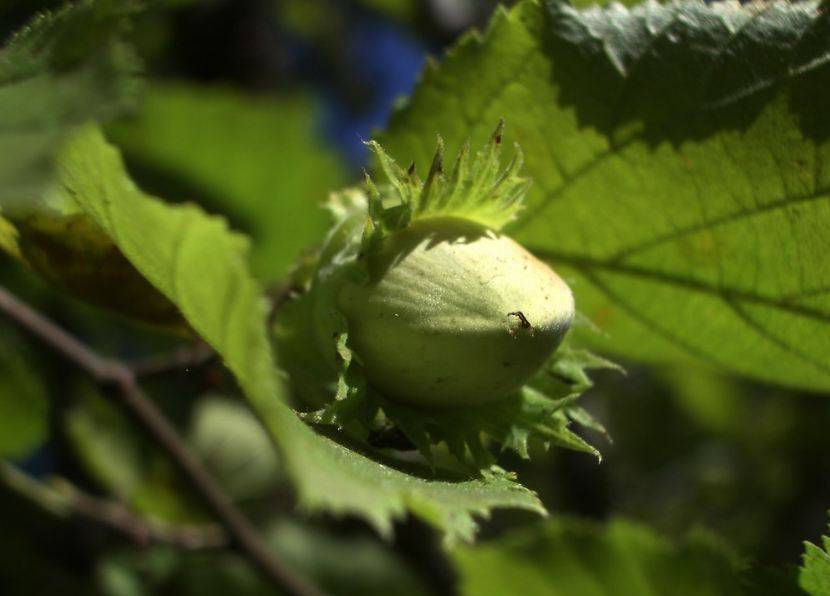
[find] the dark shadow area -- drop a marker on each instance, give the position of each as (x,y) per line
(689,72)
(429,233)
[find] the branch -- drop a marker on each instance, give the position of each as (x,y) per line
(66,500)
(278,295)
(183,358)
(200,353)
(115,375)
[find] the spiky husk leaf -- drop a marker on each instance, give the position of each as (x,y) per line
(476,190)
(543,410)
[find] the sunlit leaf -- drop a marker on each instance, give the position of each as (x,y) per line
(815,572)
(679,154)
(201,266)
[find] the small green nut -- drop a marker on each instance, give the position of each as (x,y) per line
(454,314)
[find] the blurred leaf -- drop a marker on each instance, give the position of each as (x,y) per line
(679,157)
(715,401)
(402,10)
(815,572)
(235,447)
(62,69)
(325,21)
(105,443)
(227,438)
(569,556)
(24,407)
(202,267)
(8,238)
(586,4)
(347,565)
(340,565)
(258,157)
(127,464)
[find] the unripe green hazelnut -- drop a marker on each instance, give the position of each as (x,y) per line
(418,297)
(453,314)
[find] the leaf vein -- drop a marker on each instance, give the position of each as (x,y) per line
(679,233)
(584,264)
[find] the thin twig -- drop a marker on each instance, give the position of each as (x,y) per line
(116,375)
(183,358)
(278,295)
(200,353)
(65,500)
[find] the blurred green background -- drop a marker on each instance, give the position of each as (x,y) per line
(244,96)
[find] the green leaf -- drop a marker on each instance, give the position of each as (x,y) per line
(569,556)
(679,156)
(24,407)
(62,69)
(256,159)
(201,266)
(815,572)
